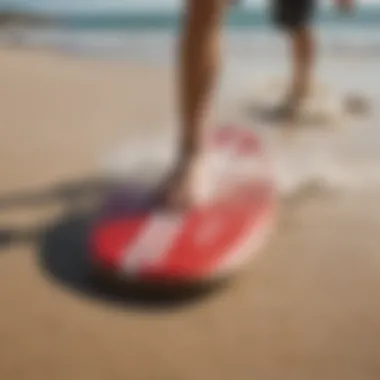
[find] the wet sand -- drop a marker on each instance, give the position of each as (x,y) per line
(307,308)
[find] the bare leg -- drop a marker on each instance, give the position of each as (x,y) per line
(198,69)
(303,59)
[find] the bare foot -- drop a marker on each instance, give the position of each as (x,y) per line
(182,189)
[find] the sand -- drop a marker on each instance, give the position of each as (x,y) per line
(307,308)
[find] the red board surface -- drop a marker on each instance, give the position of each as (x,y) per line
(198,244)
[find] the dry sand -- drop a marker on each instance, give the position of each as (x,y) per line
(306,309)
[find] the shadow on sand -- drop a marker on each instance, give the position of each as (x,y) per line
(63,254)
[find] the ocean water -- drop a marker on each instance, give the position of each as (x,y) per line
(146,29)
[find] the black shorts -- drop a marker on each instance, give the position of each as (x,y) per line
(293,14)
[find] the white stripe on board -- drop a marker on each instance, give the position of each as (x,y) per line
(153,243)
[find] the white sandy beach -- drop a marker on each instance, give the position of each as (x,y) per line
(307,309)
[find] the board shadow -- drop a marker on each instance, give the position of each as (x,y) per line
(64,256)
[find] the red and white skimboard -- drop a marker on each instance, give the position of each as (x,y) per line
(205,243)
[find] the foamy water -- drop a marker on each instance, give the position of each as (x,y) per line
(157,46)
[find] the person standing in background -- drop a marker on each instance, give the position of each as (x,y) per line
(295,18)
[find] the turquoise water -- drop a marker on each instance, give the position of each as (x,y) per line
(247,18)
(165,14)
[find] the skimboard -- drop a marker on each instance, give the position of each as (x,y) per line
(135,238)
